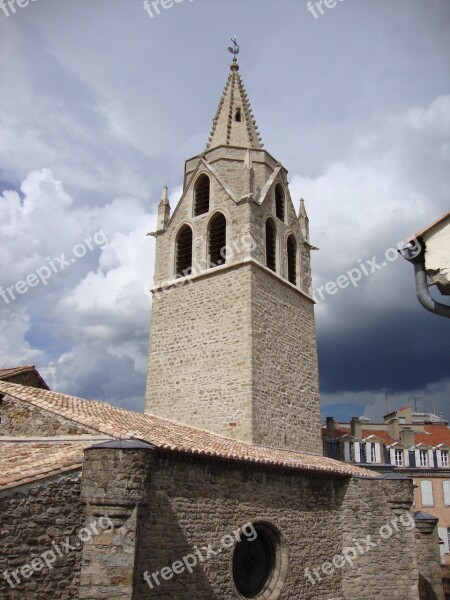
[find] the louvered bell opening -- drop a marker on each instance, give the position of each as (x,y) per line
(271,247)
(202,188)
(292,259)
(217,241)
(279,202)
(184,252)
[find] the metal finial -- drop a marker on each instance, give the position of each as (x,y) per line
(235,48)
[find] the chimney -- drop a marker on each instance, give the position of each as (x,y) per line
(407,437)
(331,427)
(356,428)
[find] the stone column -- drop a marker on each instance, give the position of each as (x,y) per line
(428,557)
(114,491)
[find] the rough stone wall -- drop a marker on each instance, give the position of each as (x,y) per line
(229,352)
(237,216)
(200,354)
(27,378)
(194,504)
(115,484)
(428,561)
(30,521)
(389,569)
(23,419)
(285,373)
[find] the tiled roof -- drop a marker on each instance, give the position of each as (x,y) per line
(13,371)
(167,435)
(433,435)
(23,462)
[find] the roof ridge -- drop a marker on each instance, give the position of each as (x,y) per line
(167,435)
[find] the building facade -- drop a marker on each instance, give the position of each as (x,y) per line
(412,444)
(220,490)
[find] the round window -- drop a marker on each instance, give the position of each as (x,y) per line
(254,562)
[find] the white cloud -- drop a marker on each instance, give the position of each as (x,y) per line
(98,306)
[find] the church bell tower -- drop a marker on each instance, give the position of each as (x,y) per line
(232,342)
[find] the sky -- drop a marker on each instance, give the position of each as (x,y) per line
(101,104)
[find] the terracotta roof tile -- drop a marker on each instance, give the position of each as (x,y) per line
(171,436)
(433,435)
(22,462)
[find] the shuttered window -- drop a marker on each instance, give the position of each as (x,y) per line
(183,253)
(217,240)
(292,259)
(279,202)
(271,245)
(426,491)
(446,489)
(201,195)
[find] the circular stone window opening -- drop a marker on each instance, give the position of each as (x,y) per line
(257,563)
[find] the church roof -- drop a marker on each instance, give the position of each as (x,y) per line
(10,372)
(234,124)
(25,462)
(164,434)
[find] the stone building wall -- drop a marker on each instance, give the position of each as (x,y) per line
(26,378)
(428,560)
(183,509)
(285,373)
(200,354)
(31,521)
(380,509)
(23,419)
(193,504)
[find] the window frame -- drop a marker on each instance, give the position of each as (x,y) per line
(280,202)
(182,272)
(216,215)
(270,221)
(292,268)
(195,209)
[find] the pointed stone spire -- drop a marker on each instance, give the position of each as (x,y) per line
(304,221)
(234,124)
(163,210)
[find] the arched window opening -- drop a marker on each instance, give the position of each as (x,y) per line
(201,195)
(279,201)
(292,259)
(184,251)
(237,116)
(271,245)
(217,240)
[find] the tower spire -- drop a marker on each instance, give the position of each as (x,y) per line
(234,123)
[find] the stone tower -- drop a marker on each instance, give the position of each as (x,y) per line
(232,343)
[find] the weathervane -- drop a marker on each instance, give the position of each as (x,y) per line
(235,49)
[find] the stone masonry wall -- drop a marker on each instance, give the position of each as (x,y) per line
(200,354)
(195,503)
(27,378)
(428,561)
(285,373)
(23,419)
(380,509)
(30,521)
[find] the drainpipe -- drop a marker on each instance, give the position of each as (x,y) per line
(423,294)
